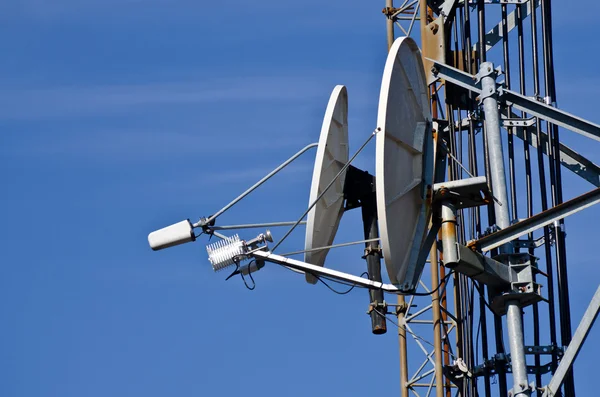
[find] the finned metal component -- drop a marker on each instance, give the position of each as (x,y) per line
(226,252)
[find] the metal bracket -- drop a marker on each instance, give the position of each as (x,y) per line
(378,305)
(489,71)
(523,389)
(533,243)
(542,350)
(372,251)
(390,13)
(457,372)
(463,193)
(523,285)
(492,366)
(507,122)
(402,308)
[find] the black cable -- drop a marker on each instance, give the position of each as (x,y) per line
(490,308)
(477,342)
(352,286)
(483,298)
(444,280)
(251,278)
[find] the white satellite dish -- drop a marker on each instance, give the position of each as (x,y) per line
(332,154)
(404,162)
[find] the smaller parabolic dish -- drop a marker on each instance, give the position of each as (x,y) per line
(332,154)
(404,162)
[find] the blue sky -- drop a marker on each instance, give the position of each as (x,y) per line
(120,117)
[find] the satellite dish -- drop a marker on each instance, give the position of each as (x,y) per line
(404,162)
(332,154)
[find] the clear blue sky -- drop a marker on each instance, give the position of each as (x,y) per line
(120,117)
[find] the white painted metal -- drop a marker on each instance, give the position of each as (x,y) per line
(178,233)
(321,271)
(404,162)
(323,220)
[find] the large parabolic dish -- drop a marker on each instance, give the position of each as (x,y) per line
(332,154)
(404,162)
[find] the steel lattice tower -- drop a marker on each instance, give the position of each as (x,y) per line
(453,33)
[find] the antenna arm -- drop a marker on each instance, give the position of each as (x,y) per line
(203,221)
(322,271)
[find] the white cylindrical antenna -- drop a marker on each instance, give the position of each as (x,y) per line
(179,233)
(226,252)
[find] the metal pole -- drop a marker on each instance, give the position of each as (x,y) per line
(256,185)
(437,329)
(556,178)
(373,257)
(514,317)
(514,322)
(448,229)
(494,142)
(401,308)
(581,334)
(390,25)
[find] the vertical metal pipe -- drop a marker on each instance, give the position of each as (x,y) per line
(498,335)
(373,257)
(390,25)
(556,178)
(448,230)
(494,141)
(511,150)
(437,329)
(481,30)
(514,322)
(544,198)
(484,346)
(401,301)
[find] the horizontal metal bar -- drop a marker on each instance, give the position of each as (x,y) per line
(552,114)
(569,158)
(521,102)
(429,321)
(419,377)
(526,226)
(322,271)
(482,268)
(454,76)
(427,385)
(254,225)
